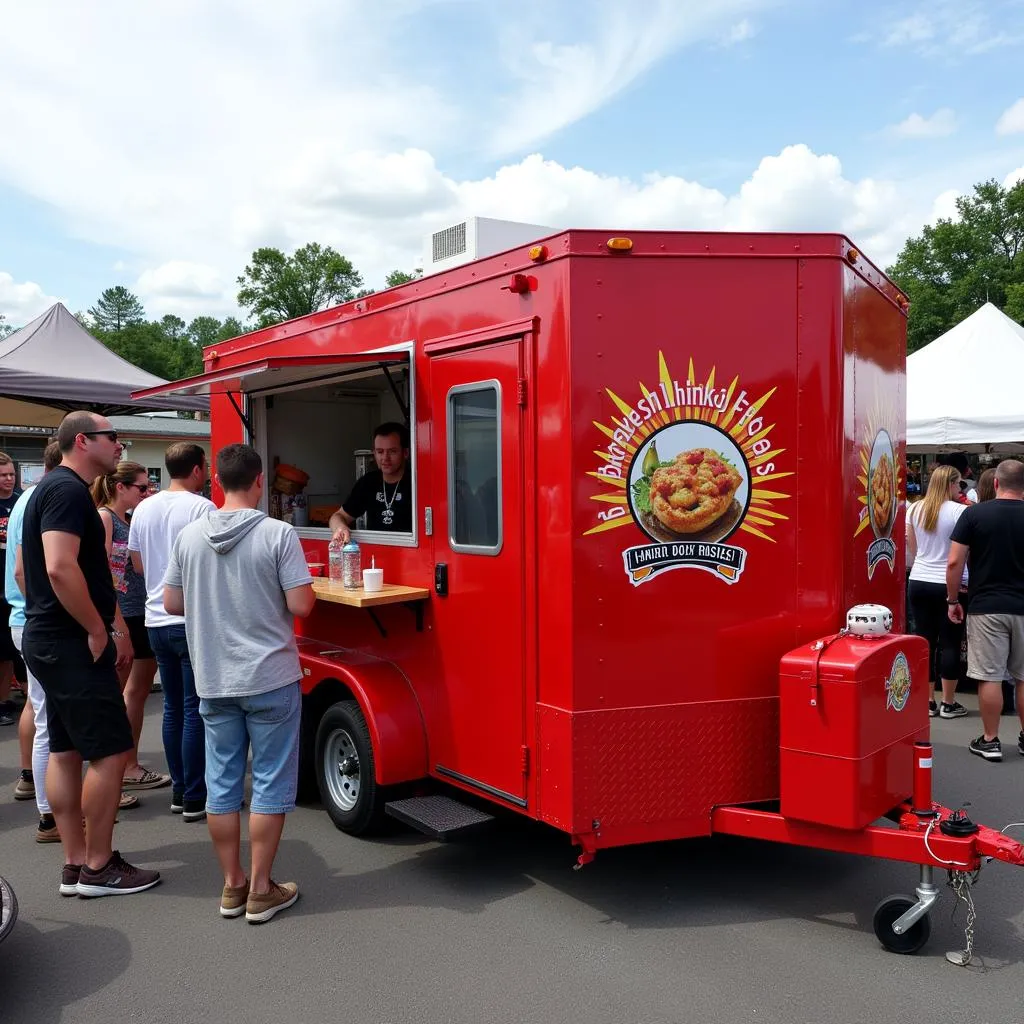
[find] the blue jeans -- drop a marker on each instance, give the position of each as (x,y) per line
(270,723)
(184,739)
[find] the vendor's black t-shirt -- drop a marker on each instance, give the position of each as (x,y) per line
(6,504)
(388,506)
(62,504)
(994,534)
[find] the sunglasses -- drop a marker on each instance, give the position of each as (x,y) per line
(111,434)
(141,488)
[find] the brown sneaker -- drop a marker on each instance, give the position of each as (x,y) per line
(24,788)
(233,900)
(116,878)
(47,833)
(69,879)
(146,780)
(261,907)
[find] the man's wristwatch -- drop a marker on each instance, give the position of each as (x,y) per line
(956,600)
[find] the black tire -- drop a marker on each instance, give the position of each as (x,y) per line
(8,909)
(345,770)
(890,910)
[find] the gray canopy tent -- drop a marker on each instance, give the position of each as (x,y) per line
(53,365)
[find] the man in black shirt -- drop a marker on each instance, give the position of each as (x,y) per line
(385,493)
(992,535)
(74,640)
(9,656)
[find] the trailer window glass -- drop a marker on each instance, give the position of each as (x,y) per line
(474,468)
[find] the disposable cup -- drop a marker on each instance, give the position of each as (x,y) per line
(373,580)
(315,568)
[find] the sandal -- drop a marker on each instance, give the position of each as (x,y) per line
(128,800)
(147,780)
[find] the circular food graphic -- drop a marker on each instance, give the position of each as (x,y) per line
(898,683)
(882,484)
(689,481)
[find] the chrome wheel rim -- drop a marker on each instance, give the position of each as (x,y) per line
(341,769)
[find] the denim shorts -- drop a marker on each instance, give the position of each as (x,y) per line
(269,722)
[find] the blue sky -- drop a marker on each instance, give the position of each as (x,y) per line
(157,145)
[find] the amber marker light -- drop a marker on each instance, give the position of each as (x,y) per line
(539,253)
(853,255)
(619,244)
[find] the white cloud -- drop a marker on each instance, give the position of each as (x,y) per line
(952,28)
(186,289)
(940,124)
(739,33)
(1014,177)
(944,207)
(23,302)
(1012,120)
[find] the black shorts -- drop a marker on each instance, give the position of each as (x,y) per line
(85,711)
(139,635)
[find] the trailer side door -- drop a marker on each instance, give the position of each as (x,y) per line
(477,507)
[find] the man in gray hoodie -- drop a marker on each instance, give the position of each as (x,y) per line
(239,578)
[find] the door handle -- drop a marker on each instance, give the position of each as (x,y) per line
(441,579)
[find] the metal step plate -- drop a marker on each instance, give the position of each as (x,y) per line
(439,817)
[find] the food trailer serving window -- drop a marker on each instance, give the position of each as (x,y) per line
(474,468)
(312,419)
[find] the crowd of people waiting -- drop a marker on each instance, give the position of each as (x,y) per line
(965,558)
(104,585)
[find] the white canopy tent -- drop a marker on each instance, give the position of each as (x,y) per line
(964,391)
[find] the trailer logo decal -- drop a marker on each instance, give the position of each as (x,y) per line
(687,464)
(880,479)
(897,686)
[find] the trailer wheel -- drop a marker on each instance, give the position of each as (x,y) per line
(345,770)
(890,910)
(8,909)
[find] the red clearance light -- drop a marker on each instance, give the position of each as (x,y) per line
(519,284)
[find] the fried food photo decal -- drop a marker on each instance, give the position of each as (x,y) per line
(694,491)
(882,488)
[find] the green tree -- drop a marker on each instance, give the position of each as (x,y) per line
(397,277)
(276,287)
(116,308)
(231,328)
(204,330)
(5,327)
(957,265)
(173,326)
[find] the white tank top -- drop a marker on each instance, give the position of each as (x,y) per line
(933,546)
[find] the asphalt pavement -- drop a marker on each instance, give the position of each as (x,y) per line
(499,928)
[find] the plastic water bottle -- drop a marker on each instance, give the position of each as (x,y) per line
(351,566)
(334,562)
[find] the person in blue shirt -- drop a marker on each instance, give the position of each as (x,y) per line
(32,780)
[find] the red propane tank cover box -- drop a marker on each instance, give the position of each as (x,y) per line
(850,711)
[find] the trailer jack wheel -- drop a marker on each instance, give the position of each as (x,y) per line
(887,913)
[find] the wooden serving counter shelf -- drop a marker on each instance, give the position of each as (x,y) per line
(390,593)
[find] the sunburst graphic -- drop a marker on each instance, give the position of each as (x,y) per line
(695,400)
(877,442)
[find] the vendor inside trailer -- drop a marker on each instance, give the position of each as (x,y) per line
(383,495)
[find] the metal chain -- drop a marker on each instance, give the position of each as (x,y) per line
(960,882)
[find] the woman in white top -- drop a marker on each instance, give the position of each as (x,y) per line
(929,525)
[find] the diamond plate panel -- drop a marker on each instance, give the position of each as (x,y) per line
(636,766)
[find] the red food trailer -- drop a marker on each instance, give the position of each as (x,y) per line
(651,476)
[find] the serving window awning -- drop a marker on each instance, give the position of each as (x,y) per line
(272,372)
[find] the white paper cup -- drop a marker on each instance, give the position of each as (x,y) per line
(373,580)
